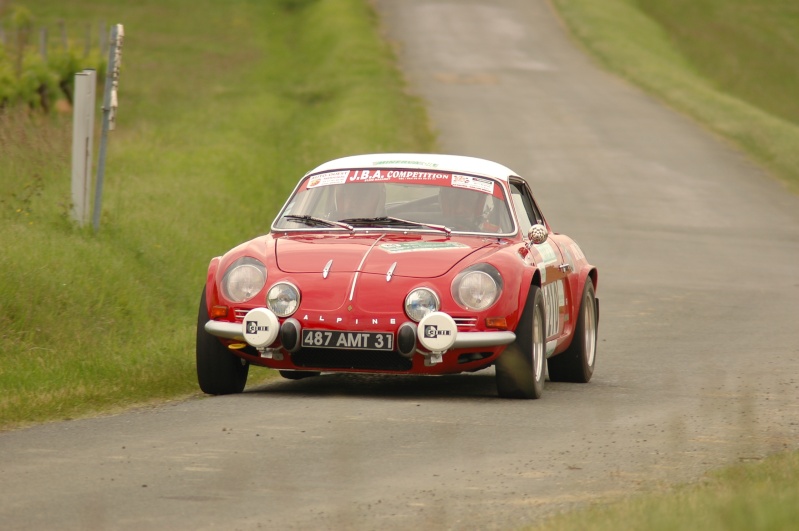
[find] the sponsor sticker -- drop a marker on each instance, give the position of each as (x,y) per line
(432,332)
(370,176)
(253,327)
(578,253)
(473,183)
(551,347)
(404,162)
(568,256)
(554,299)
(326,179)
(547,253)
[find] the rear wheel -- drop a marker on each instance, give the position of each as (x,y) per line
(219,371)
(576,364)
(520,369)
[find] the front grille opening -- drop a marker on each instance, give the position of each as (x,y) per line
(465,323)
(472,356)
(374,360)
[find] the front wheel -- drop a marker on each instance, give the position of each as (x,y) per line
(219,372)
(520,369)
(576,363)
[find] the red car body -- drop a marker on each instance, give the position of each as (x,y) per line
(403,291)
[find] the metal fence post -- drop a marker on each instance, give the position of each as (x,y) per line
(109,114)
(82,141)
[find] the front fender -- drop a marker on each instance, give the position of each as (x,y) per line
(530,277)
(211,291)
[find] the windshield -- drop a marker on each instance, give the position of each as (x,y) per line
(400,199)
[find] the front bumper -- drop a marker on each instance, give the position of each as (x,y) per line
(463,340)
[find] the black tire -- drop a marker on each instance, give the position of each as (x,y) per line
(576,364)
(219,371)
(298,375)
(521,368)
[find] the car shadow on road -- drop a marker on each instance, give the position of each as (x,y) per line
(461,386)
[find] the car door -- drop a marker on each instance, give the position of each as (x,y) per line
(550,261)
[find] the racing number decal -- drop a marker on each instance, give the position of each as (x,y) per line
(553,299)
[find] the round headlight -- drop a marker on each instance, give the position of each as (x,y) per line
(244,279)
(283,299)
(420,302)
(477,288)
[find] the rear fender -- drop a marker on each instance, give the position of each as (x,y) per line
(586,273)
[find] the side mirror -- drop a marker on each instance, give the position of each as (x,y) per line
(538,234)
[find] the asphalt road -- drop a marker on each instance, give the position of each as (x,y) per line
(697,365)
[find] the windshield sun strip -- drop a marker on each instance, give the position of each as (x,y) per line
(334,225)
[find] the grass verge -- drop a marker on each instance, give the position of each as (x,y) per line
(752,496)
(223,106)
(730,64)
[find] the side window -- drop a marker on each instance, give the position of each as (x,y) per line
(525,209)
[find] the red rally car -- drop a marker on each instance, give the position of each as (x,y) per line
(403,264)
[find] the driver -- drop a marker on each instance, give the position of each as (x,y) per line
(363,200)
(462,208)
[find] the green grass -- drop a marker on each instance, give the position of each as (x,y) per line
(752,496)
(730,64)
(222,107)
(745,48)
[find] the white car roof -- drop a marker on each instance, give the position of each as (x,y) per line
(449,163)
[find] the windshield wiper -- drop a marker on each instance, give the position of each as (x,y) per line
(388,220)
(315,222)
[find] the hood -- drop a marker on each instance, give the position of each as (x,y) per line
(409,256)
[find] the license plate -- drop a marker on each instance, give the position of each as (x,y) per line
(348,340)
